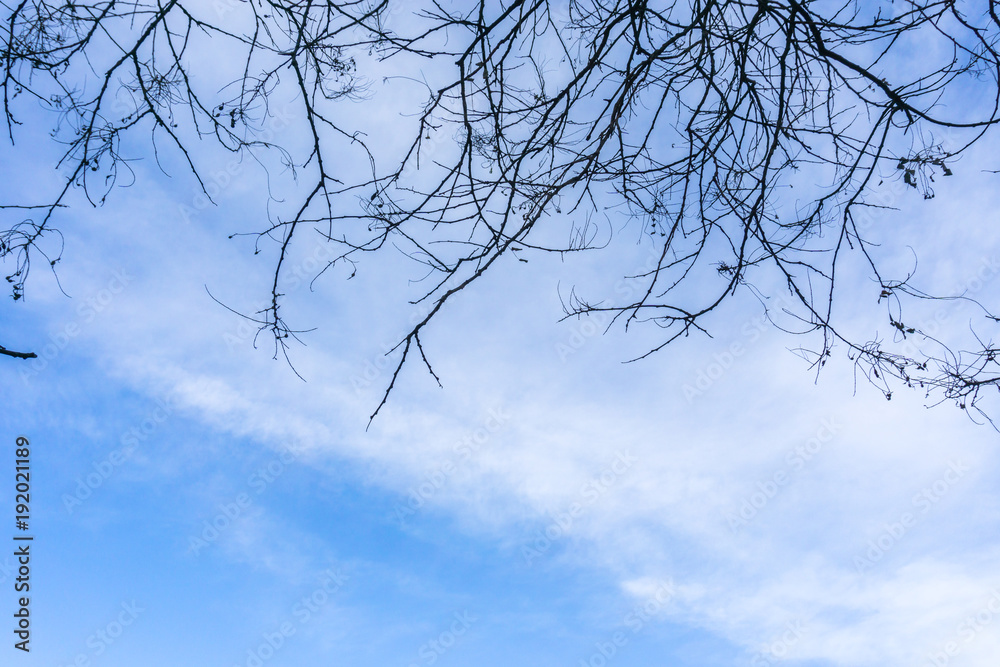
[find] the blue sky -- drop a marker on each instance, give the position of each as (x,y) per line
(194,502)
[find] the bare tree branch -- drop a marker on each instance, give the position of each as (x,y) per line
(693,121)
